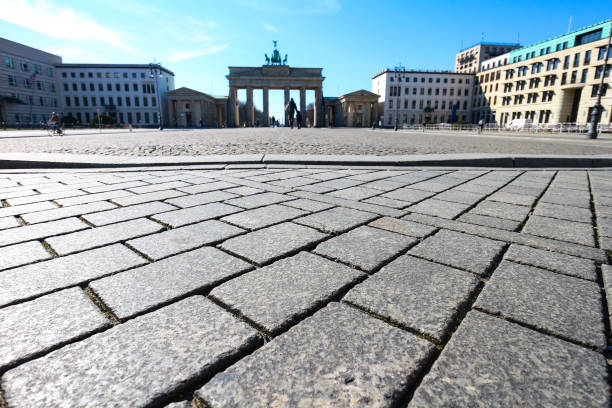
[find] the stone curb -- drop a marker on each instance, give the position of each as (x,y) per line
(57,161)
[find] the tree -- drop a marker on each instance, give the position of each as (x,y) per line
(310,113)
(104,119)
(242,112)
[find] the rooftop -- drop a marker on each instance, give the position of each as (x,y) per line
(491,43)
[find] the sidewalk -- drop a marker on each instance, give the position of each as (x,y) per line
(263,282)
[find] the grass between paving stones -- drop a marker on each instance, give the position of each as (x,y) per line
(102,306)
(48,248)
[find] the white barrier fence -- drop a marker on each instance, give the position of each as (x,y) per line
(562,128)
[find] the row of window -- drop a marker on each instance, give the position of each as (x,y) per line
(15,81)
(414,119)
(430,80)
(396,91)
(24,66)
(579,40)
(34,100)
(146,88)
(104,75)
(84,101)
(128,117)
(428,104)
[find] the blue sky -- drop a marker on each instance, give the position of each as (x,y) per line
(351,40)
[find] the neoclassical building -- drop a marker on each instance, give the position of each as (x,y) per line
(355,109)
(187,107)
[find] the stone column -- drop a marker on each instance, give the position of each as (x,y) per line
(319,115)
(366,115)
(232,109)
(249,108)
(351,114)
(180,113)
(303,104)
(266,107)
(170,117)
(286,102)
(197,109)
(219,115)
(376,112)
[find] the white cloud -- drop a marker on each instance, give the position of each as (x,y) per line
(44,17)
(183,55)
(209,24)
(280,6)
(270,27)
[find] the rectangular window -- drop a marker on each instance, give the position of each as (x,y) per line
(92,87)
(90,75)
(576,60)
(574,77)
(146,115)
(583,77)
(100,87)
(566,62)
(145,101)
(109,87)
(153,101)
(138,116)
(85,101)
(74,86)
(564,78)
(587,57)
(119,101)
(93,101)
(128,101)
(83,87)
(52,87)
(588,37)
(102,101)
(135,87)
(8,62)
(67,101)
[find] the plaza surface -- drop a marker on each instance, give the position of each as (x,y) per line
(254,285)
(341,141)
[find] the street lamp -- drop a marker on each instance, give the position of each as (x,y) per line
(155,71)
(399,73)
(598,108)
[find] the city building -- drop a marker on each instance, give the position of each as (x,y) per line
(28,85)
(354,109)
(551,82)
(129,93)
(416,97)
(469,59)
(189,108)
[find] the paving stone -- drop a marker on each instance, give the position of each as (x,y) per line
(469,252)
(138,290)
(493,222)
(417,294)
(435,185)
(336,220)
(554,261)
(494,363)
(244,191)
(254,184)
(548,301)
(201,198)
(90,198)
(308,205)
(336,184)
(135,364)
(563,230)
(26,208)
(604,227)
(42,230)
(127,213)
(365,247)
(180,404)
(174,241)
(458,196)
(563,212)
(270,243)
(387,202)
(30,199)
(65,212)
(403,227)
(472,187)
(603,211)
(278,295)
(567,197)
(408,194)
(22,254)
(355,193)
(148,197)
(263,216)
(439,208)
(338,357)
(293,182)
(34,328)
(203,188)
(259,200)
(502,210)
(191,215)
(356,205)
(383,185)
(114,186)
(512,198)
(606,272)
(20,192)
(158,187)
(8,222)
(40,278)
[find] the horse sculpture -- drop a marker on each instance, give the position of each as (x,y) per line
(285,60)
(267,59)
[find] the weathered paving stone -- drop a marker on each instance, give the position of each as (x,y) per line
(8,222)
(22,254)
(563,212)
(174,241)
(108,234)
(554,261)
(244,191)
(417,294)
(158,187)
(387,202)
(203,188)
(336,220)
(365,247)
(356,205)
(606,272)
(338,357)
(604,226)
(64,212)
(137,290)
(512,198)
(37,231)
(469,252)
(403,227)
(38,198)
(355,193)
(563,230)
(383,185)
(558,304)
(32,328)
(90,198)
(332,185)
(114,186)
(201,198)
(191,215)
(145,198)
(487,221)
(32,280)
(460,197)
(259,200)
(308,205)
(263,216)
(439,208)
(269,243)
(567,197)
(127,213)
(502,210)
(408,194)
(494,363)
(26,208)
(294,182)
(278,295)
(135,364)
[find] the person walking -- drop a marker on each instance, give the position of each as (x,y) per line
(273,122)
(480,125)
(298,119)
(290,110)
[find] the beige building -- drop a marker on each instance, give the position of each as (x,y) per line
(355,109)
(552,82)
(189,108)
(469,59)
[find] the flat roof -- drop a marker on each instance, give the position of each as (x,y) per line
(491,43)
(416,71)
(92,66)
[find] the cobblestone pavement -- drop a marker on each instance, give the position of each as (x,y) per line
(304,141)
(305,287)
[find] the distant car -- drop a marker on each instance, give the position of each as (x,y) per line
(518,124)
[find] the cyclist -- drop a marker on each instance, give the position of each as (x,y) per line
(55,123)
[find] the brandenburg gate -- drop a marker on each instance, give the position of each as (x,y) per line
(275,74)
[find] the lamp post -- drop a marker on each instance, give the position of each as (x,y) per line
(399,73)
(598,108)
(155,71)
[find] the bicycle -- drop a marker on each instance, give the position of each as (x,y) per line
(53,130)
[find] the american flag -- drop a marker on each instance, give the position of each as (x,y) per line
(31,79)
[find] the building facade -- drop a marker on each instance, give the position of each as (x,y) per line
(354,109)
(551,82)
(28,84)
(129,93)
(469,59)
(189,108)
(416,97)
